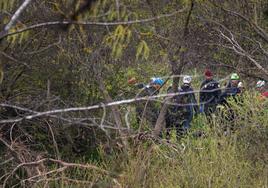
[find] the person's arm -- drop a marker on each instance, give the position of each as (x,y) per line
(140,86)
(194,102)
(218,92)
(201,94)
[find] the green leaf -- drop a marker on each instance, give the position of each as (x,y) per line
(139,50)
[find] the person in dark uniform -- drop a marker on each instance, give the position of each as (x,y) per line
(180,115)
(209,94)
(152,110)
(231,90)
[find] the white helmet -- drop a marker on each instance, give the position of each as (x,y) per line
(260,83)
(152,80)
(186,80)
(240,85)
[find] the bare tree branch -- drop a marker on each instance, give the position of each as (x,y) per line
(237,70)
(239,50)
(40,175)
(62,163)
(7,161)
(176,69)
(53,139)
(254,25)
(88,23)
(47,47)
(49,113)
(13,19)
(13,59)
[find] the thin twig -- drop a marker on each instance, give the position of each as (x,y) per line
(53,139)
(7,161)
(64,164)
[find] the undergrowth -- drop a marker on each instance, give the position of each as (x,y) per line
(227,154)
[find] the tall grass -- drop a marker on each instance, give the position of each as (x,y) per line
(236,159)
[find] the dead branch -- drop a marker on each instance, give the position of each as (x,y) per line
(7,161)
(53,139)
(13,19)
(62,163)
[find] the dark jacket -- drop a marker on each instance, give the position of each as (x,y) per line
(152,109)
(184,110)
(207,87)
(231,92)
(148,91)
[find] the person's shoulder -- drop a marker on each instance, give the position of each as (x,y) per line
(214,81)
(234,89)
(225,93)
(140,86)
(265,94)
(204,82)
(152,90)
(190,89)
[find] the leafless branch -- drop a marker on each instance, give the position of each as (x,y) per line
(13,19)
(67,179)
(238,70)
(49,113)
(53,139)
(260,46)
(126,118)
(62,163)
(98,16)
(103,117)
(13,59)
(89,23)
(7,161)
(254,25)
(40,175)
(239,50)
(6,12)
(47,47)
(4,142)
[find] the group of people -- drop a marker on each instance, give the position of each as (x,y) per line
(184,104)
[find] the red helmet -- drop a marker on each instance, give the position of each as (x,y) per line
(132,81)
(208,73)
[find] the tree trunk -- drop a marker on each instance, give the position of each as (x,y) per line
(176,69)
(115,111)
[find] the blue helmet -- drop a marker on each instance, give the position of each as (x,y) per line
(158,81)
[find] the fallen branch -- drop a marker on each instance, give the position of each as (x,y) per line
(64,164)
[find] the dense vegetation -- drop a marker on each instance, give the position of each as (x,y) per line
(68,112)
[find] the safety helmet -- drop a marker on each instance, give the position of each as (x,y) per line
(234,76)
(132,81)
(240,85)
(158,81)
(186,80)
(152,80)
(260,83)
